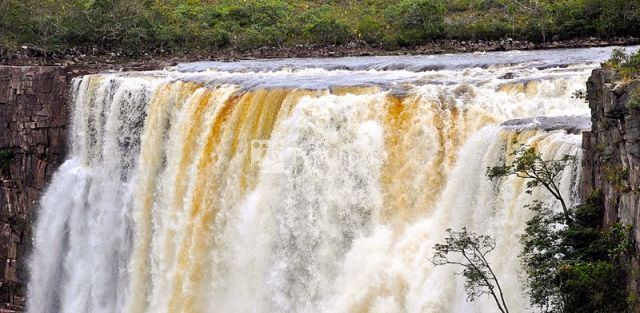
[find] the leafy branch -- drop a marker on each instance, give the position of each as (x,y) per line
(472,250)
(528,164)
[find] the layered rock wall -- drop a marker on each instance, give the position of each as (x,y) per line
(612,152)
(33,142)
(613,148)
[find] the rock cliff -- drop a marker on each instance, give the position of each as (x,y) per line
(613,147)
(612,152)
(33,141)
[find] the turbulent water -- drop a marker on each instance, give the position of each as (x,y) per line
(298,185)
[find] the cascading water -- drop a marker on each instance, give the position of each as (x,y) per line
(281,187)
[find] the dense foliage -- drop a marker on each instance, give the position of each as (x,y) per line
(627,64)
(577,267)
(138,26)
(573,264)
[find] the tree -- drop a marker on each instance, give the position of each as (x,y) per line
(472,251)
(575,268)
(538,12)
(542,256)
(572,263)
(528,164)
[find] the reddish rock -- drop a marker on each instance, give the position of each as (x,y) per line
(34,115)
(33,118)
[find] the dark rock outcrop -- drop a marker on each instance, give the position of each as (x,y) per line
(613,147)
(33,141)
(575,124)
(612,153)
(34,119)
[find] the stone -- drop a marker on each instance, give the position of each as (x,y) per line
(33,124)
(33,121)
(613,146)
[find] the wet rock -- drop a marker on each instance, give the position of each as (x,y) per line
(508,76)
(571,124)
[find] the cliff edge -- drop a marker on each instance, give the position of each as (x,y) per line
(612,153)
(33,142)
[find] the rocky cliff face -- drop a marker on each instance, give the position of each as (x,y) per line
(612,152)
(33,141)
(613,148)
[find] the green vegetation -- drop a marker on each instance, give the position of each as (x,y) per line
(626,64)
(576,267)
(6,157)
(618,177)
(580,94)
(134,27)
(471,251)
(573,264)
(528,164)
(634,99)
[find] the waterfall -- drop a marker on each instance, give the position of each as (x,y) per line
(291,190)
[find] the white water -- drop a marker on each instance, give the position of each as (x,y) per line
(254,192)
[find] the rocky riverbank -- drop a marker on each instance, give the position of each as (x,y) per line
(103,59)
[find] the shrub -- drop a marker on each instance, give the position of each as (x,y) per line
(416,21)
(576,267)
(627,64)
(136,26)
(633,62)
(634,99)
(321,26)
(371,30)
(589,287)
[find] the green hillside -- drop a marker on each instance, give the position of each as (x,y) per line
(138,26)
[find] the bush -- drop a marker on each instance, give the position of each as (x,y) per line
(633,62)
(576,267)
(321,26)
(250,38)
(626,64)
(216,38)
(371,30)
(634,99)
(590,287)
(416,21)
(134,27)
